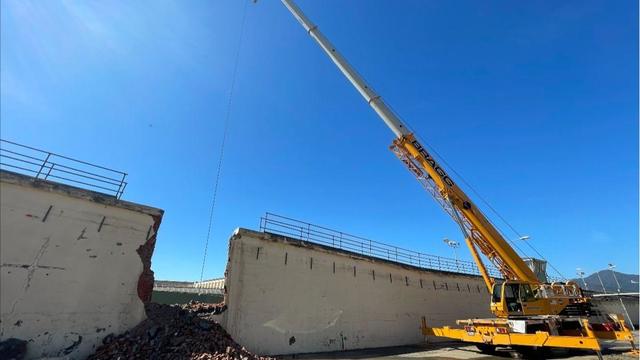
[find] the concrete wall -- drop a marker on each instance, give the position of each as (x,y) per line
(611,305)
(75,265)
(210,284)
(181,292)
(285,297)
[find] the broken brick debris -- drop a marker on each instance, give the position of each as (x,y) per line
(175,332)
(13,349)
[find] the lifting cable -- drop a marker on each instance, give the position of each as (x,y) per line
(224,137)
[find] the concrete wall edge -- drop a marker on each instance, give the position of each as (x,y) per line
(239,232)
(75,192)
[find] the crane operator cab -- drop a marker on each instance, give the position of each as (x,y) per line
(513,298)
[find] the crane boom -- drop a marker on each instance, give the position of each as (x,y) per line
(531,313)
(478,231)
(371,97)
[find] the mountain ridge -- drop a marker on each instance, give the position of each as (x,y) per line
(628,282)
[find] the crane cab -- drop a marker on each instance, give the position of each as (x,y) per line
(515,298)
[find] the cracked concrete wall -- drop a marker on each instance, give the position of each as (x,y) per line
(286,297)
(72,268)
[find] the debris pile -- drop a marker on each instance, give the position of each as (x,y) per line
(175,332)
(13,349)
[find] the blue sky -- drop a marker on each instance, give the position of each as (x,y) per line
(534,103)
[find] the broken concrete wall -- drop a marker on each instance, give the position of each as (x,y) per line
(285,296)
(75,265)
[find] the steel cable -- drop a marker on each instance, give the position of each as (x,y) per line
(224,137)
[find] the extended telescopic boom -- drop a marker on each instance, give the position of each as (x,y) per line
(478,231)
(372,98)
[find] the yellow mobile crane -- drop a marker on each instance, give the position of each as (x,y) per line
(528,312)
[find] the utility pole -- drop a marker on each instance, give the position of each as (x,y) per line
(611,267)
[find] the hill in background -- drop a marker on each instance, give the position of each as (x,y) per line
(628,282)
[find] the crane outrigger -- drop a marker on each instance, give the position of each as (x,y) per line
(529,312)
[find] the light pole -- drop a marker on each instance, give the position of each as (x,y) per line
(611,267)
(581,273)
(604,290)
(454,245)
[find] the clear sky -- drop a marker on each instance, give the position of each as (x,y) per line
(535,103)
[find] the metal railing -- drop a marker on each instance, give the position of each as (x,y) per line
(46,165)
(281,225)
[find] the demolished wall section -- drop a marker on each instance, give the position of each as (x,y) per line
(75,265)
(286,296)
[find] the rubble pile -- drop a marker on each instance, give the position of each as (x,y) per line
(175,332)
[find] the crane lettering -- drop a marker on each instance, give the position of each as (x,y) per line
(443,175)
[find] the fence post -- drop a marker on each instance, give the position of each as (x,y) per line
(120,187)
(43,164)
(49,172)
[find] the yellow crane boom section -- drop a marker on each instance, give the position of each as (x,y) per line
(479,233)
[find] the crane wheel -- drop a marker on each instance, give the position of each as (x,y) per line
(529,352)
(486,348)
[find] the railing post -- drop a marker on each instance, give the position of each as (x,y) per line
(49,172)
(122,190)
(43,164)
(120,187)
(370,251)
(396,253)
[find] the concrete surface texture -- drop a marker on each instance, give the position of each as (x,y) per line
(457,350)
(75,265)
(285,296)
